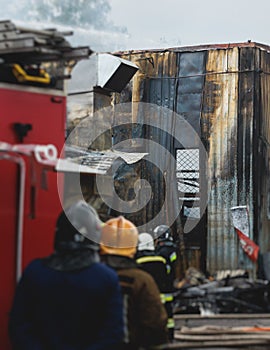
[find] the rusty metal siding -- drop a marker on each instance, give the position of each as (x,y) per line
(172,80)
(264,154)
(155,81)
(188,103)
(245,132)
(223,91)
(181,90)
(160,89)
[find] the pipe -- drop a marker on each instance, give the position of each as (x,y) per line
(19,247)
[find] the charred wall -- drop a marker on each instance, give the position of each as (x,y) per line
(223,93)
(262,170)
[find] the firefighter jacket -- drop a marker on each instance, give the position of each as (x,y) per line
(156,265)
(145,316)
(167,249)
(67,310)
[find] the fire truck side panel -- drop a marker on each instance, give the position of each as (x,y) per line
(44,111)
(8,203)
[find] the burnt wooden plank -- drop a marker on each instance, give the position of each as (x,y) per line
(220,345)
(232,320)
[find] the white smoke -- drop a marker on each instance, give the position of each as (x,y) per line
(109,38)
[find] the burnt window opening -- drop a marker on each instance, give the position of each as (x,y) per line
(188,181)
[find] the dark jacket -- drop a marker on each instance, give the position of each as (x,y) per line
(156,266)
(168,250)
(146,317)
(67,310)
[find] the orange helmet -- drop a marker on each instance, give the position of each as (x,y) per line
(119,236)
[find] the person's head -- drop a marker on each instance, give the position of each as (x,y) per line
(77,227)
(146,242)
(119,236)
(162,233)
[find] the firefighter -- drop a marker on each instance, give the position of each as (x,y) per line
(145,316)
(165,247)
(157,266)
(150,262)
(69,300)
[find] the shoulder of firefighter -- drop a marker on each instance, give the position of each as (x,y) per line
(167,249)
(158,267)
(145,316)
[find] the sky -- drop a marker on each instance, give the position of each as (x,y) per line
(154,24)
(168,23)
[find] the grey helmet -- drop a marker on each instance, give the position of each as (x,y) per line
(78,227)
(162,233)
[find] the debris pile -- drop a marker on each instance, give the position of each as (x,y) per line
(223,293)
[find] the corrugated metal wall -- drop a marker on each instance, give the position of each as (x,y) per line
(173,81)
(227,118)
(220,102)
(155,83)
(264,154)
(223,92)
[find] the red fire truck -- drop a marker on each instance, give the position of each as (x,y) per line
(33,67)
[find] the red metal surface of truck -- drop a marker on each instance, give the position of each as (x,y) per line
(23,180)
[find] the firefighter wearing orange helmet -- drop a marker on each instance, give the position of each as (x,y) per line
(145,315)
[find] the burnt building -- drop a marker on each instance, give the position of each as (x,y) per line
(222,92)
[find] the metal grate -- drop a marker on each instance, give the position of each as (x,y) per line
(188,180)
(187,159)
